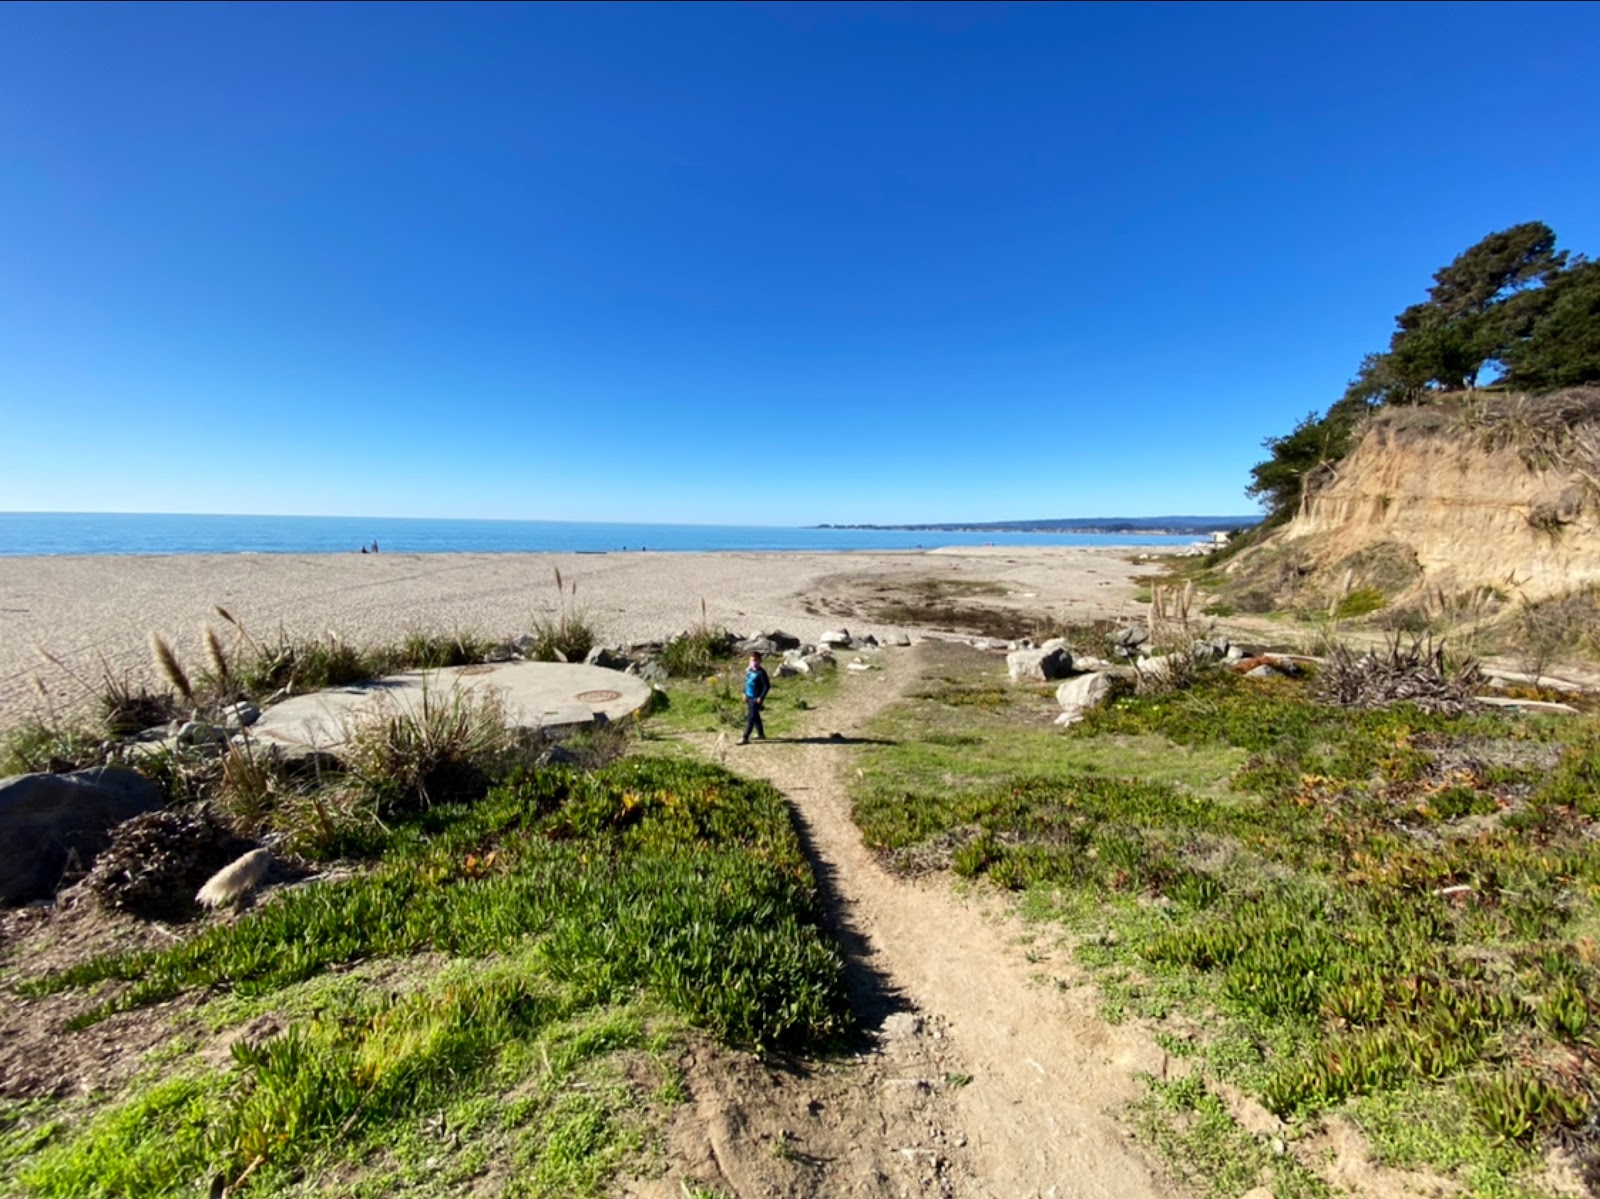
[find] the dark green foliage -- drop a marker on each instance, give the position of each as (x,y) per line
(1562,348)
(1303,457)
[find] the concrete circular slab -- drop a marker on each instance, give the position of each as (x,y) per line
(536,695)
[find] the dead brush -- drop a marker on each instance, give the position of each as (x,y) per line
(123,706)
(1417,672)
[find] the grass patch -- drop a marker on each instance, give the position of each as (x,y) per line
(1356,904)
(650,885)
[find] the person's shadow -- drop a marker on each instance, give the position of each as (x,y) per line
(830,739)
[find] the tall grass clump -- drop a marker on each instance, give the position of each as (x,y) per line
(445,746)
(566,635)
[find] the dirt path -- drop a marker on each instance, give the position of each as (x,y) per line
(991,1074)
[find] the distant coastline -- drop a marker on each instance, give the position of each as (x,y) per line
(1148,526)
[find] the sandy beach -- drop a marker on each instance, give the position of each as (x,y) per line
(79,608)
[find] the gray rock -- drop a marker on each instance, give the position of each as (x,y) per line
(49,820)
(1039,665)
(1133,636)
(240,715)
(500,653)
(782,640)
(1158,667)
(193,734)
(608,659)
(868,642)
(652,671)
(1088,662)
(757,645)
(835,639)
(1264,671)
(524,644)
(1077,696)
(787,670)
(901,639)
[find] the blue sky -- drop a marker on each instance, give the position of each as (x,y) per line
(737,264)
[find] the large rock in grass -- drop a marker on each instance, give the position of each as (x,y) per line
(1039,665)
(49,822)
(1077,696)
(835,639)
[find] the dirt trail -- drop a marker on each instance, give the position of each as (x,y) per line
(951,993)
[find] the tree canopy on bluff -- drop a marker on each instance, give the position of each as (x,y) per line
(1512,307)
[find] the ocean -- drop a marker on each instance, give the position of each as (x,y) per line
(29,533)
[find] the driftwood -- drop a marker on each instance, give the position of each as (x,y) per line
(1417,673)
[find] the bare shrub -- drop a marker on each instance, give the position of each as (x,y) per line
(1416,671)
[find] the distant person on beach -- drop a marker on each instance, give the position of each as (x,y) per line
(756,686)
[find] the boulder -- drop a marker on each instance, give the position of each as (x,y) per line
(1076,696)
(757,645)
(835,639)
(49,820)
(193,734)
(607,659)
(782,640)
(1087,662)
(868,642)
(652,671)
(1132,637)
(899,638)
(240,715)
(1041,665)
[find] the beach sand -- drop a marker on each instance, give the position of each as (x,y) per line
(79,608)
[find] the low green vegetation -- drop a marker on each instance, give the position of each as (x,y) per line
(1360,907)
(541,935)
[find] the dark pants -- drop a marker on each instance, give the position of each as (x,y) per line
(752,721)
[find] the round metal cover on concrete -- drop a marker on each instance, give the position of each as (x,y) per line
(536,695)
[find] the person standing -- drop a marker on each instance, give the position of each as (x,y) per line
(756,686)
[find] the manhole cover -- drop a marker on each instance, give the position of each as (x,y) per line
(481,669)
(597,697)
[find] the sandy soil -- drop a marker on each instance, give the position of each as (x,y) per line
(79,608)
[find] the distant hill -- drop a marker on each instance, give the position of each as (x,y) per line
(1176,525)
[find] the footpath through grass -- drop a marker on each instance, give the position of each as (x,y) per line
(1387,914)
(547,935)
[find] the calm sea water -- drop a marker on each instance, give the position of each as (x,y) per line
(24,533)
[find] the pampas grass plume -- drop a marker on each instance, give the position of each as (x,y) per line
(167,663)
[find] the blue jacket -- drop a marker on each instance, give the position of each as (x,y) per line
(756,683)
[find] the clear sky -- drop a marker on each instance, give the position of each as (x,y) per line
(737,264)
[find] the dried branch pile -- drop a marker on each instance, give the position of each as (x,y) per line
(1416,673)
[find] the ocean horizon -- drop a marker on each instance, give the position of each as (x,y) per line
(52,534)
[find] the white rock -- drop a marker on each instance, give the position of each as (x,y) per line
(835,637)
(1039,664)
(1077,696)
